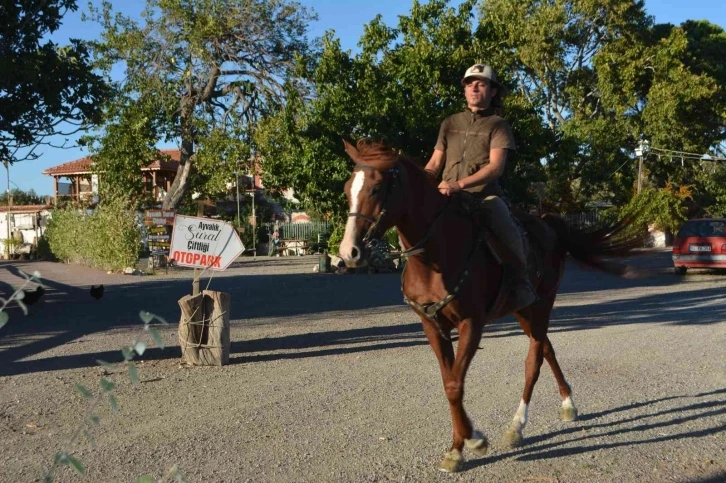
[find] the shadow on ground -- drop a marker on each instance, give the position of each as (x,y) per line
(68,313)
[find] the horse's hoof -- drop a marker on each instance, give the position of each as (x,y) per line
(513,438)
(478,444)
(568,414)
(452,461)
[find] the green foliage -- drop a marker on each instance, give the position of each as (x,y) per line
(588,79)
(665,208)
(336,236)
(107,385)
(127,145)
(108,238)
(199,73)
(17,296)
(391,238)
(43,84)
(10,245)
(43,251)
(21,197)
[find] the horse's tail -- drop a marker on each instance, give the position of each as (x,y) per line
(592,248)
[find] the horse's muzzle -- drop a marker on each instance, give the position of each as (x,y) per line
(354,255)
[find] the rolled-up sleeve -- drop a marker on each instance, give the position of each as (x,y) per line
(502,136)
(441,142)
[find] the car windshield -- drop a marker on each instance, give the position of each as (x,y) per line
(703,228)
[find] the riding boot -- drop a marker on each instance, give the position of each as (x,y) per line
(521,286)
(516,273)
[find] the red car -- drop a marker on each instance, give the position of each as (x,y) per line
(700,243)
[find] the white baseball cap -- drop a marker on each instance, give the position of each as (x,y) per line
(483,71)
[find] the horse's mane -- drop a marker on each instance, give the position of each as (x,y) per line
(379,154)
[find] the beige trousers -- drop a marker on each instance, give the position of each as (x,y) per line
(500,222)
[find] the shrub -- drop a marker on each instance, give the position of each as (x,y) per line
(43,251)
(390,237)
(336,236)
(665,208)
(108,238)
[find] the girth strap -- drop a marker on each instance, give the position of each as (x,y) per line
(430,310)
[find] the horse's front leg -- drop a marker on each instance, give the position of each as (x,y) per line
(453,372)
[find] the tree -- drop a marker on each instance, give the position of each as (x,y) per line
(45,89)
(400,87)
(201,73)
(589,78)
(603,75)
(21,197)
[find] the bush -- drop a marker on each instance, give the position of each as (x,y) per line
(336,236)
(43,251)
(109,238)
(390,237)
(665,208)
(11,246)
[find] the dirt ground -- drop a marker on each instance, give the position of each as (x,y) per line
(332,380)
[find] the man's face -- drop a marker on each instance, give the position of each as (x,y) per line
(479,93)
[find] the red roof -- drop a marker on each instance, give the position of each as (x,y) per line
(25,208)
(83,165)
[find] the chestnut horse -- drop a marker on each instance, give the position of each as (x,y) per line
(452,276)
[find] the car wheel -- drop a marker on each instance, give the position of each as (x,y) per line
(680,270)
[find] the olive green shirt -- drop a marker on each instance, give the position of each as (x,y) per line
(466,138)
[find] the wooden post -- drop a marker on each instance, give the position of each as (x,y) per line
(204,328)
(195,282)
(190,327)
(216,327)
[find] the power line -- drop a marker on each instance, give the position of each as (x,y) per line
(684,155)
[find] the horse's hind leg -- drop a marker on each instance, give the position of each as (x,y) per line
(568,411)
(534,321)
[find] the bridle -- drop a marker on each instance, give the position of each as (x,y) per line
(368,241)
(431,309)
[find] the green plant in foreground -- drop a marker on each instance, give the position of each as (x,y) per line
(90,420)
(18,296)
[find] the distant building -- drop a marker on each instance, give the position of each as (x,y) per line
(27,225)
(75,180)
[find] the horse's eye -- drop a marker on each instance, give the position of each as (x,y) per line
(375,190)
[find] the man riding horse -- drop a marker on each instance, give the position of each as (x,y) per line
(472,148)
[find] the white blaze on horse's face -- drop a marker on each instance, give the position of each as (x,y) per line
(349,251)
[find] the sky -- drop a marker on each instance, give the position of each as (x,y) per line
(346,18)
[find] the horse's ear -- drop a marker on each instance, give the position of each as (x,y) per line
(352,152)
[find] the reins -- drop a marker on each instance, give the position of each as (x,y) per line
(429,310)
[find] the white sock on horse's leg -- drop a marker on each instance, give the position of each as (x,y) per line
(568,412)
(513,436)
(521,416)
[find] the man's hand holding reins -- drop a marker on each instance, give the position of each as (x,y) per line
(449,187)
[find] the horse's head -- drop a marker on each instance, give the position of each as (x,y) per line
(373,193)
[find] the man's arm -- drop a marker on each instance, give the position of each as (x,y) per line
(436,162)
(487,174)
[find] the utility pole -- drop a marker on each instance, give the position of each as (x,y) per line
(254,217)
(641,151)
(7,220)
(236,183)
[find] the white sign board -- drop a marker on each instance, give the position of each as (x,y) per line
(204,243)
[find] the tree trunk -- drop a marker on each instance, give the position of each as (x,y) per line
(178,188)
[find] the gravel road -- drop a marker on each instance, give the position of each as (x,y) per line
(332,380)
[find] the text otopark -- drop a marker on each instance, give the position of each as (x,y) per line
(199,237)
